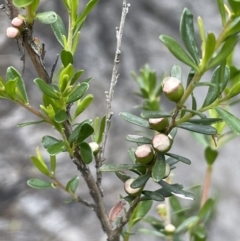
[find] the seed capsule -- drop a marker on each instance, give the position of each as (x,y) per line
(144,154)
(162,143)
(131,191)
(173,88)
(158,124)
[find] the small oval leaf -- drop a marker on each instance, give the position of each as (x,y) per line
(78,92)
(72,184)
(46,17)
(59,30)
(159,168)
(140,181)
(39,184)
(86,152)
(45,88)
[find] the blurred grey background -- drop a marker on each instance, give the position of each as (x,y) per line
(41,215)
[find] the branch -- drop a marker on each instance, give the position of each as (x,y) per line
(110,93)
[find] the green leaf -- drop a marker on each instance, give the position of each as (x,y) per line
(86,152)
(187,223)
(40,165)
(176,72)
(151,232)
(134,119)
(76,76)
(45,88)
(235,6)
(206,210)
(77,93)
(10,88)
(156,196)
(154,114)
(159,168)
(203,129)
(179,158)
(232,121)
(225,51)
(119,167)
(177,51)
(46,17)
(99,130)
(30,123)
(22,3)
(139,212)
(176,190)
(187,34)
(39,184)
(222,11)
(219,82)
(12,73)
(84,132)
(48,141)
(88,8)
(235,90)
(131,154)
(83,104)
(233,27)
(210,155)
(209,47)
(205,121)
(59,30)
(60,116)
(66,57)
(53,163)
(57,148)
(138,139)
(72,184)
(140,181)
(122,176)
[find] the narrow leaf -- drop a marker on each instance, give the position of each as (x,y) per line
(154,114)
(39,184)
(219,83)
(187,223)
(187,34)
(134,119)
(119,167)
(30,123)
(179,158)
(177,51)
(225,51)
(138,139)
(205,121)
(159,168)
(151,232)
(83,104)
(203,129)
(206,210)
(156,196)
(232,121)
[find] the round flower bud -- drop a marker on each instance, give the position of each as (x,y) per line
(170,229)
(158,124)
(144,154)
(12,32)
(162,143)
(17,22)
(95,147)
(131,191)
(173,88)
(162,210)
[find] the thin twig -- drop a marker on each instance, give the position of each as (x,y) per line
(110,93)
